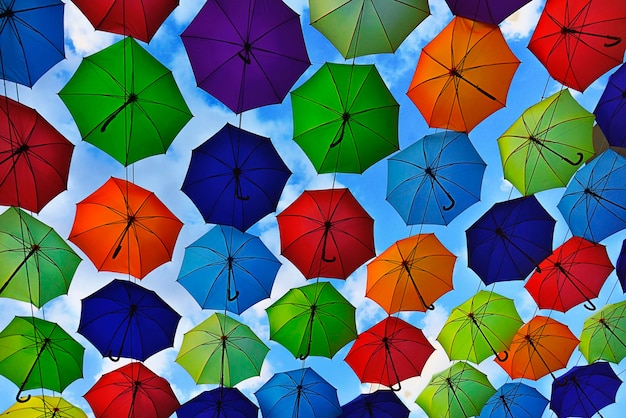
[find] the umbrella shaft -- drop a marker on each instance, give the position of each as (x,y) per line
(30,254)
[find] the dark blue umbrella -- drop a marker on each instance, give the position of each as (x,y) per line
(220,402)
(124,319)
(379,404)
(620,267)
(235,178)
(435,179)
(611,109)
(510,240)
(488,11)
(515,400)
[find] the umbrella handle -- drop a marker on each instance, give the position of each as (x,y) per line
(589,305)
(305,355)
(504,358)
(115,359)
(232,298)
(396,389)
(20,399)
(615,39)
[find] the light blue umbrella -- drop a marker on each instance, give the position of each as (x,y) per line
(515,400)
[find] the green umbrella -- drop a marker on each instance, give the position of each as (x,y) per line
(481,326)
(44,407)
(604,334)
(312,320)
(35,353)
(345,118)
(458,391)
(125,102)
(221,350)
(36,264)
(547,144)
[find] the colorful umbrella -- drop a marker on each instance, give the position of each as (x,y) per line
(379,404)
(219,402)
(345,119)
(326,233)
(248,53)
(547,144)
(34,157)
(44,407)
(125,228)
(125,102)
(36,264)
(603,336)
(515,400)
(221,350)
(362,27)
(312,320)
(235,178)
(487,11)
(411,274)
(620,267)
(611,108)
(435,179)
(463,75)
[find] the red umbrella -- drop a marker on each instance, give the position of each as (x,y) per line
(326,233)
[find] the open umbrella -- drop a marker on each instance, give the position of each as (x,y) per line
(125,228)
(378,404)
(44,407)
(219,402)
(487,11)
(515,400)
(125,102)
(345,119)
(463,75)
(603,336)
(611,108)
(246,53)
(620,267)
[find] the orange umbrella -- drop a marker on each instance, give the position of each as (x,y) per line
(411,274)
(463,75)
(124,228)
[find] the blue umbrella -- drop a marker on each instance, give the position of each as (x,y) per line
(235,178)
(435,179)
(379,404)
(298,393)
(620,267)
(594,203)
(124,319)
(510,240)
(515,400)
(611,109)
(228,269)
(220,402)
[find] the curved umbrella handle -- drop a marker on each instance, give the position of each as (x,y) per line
(396,389)
(305,355)
(616,40)
(20,399)
(115,359)
(502,359)
(589,305)
(232,298)
(574,163)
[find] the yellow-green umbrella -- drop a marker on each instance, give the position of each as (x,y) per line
(604,334)
(44,407)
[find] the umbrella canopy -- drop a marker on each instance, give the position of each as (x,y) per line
(487,11)
(483,325)
(125,228)
(34,157)
(620,267)
(221,350)
(235,178)
(298,393)
(435,179)
(123,319)
(463,75)
(610,111)
(574,273)
(31,39)
(547,144)
(579,40)
(228,269)
(35,353)
(125,102)
(515,400)
(36,264)
(44,407)
(379,404)
(345,119)
(219,402)
(363,27)
(132,391)
(246,53)
(312,320)
(411,274)
(603,336)
(326,233)
(510,240)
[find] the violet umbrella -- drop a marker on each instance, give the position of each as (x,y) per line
(487,11)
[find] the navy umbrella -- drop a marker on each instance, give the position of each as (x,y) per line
(611,109)
(620,267)
(379,404)
(220,402)
(515,400)
(488,11)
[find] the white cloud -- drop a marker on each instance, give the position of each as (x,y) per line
(521,23)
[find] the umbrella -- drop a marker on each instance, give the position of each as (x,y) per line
(540,347)
(389,352)
(221,350)
(228,269)
(326,233)
(235,178)
(35,353)
(345,119)
(31,39)
(125,228)
(132,391)
(411,274)
(620,267)
(483,325)
(584,390)
(312,320)
(579,40)
(603,336)
(572,274)
(458,391)
(435,179)
(515,400)
(125,102)
(298,393)
(362,27)
(463,75)
(510,240)
(44,407)
(594,203)
(487,11)
(378,404)
(246,53)
(610,111)
(36,264)
(34,157)
(219,402)
(547,144)
(123,319)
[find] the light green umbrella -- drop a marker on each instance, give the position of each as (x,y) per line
(44,407)
(604,334)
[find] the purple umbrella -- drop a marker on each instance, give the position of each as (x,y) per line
(246,53)
(488,11)
(620,267)
(611,109)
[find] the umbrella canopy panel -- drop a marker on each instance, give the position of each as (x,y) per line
(219,402)
(611,109)
(487,11)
